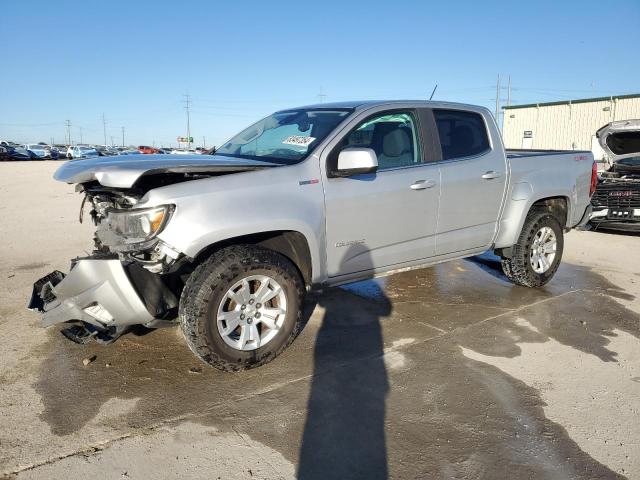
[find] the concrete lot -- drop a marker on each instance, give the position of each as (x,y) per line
(449,372)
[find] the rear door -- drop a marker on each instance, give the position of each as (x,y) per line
(384,220)
(473,178)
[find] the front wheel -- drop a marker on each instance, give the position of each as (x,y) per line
(241,307)
(536,256)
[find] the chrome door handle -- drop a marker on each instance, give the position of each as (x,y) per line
(490,175)
(422,184)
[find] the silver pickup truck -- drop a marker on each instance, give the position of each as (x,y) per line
(227,244)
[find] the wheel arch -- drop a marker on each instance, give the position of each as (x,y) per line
(289,243)
(556,206)
(513,220)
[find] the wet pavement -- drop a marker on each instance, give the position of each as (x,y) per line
(448,372)
(377,385)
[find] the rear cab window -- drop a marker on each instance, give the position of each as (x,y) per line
(462,134)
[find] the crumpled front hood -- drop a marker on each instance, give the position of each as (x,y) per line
(620,139)
(124,171)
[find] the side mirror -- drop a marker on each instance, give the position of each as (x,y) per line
(356,161)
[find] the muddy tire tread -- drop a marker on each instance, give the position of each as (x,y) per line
(517,268)
(220,267)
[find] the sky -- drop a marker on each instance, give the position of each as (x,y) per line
(133,61)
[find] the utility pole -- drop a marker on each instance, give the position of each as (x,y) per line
(104,128)
(509,92)
(67,123)
(498,99)
(122,136)
(187,104)
(321,96)
(81,135)
(112,140)
(204,142)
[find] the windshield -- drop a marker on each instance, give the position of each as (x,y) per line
(284,137)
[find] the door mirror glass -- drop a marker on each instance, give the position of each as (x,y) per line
(356,161)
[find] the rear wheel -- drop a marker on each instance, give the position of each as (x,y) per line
(241,307)
(536,256)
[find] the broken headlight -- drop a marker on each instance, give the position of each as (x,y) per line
(139,225)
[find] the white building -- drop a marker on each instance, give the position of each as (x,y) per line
(566,125)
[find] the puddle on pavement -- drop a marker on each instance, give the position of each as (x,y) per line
(471,418)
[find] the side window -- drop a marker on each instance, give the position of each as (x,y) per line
(393,136)
(462,134)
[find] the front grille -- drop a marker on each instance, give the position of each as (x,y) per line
(617,195)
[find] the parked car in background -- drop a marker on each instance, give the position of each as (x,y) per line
(40,152)
(616,201)
(130,151)
(106,150)
(59,152)
(179,151)
(81,151)
(13,153)
(226,245)
(147,150)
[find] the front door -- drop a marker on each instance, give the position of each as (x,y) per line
(378,221)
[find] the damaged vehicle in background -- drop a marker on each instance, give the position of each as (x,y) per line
(226,244)
(616,201)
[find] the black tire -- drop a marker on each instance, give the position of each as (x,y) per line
(206,288)
(518,267)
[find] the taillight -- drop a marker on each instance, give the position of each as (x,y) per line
(594,178)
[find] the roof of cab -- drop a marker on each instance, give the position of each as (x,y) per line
(359,104)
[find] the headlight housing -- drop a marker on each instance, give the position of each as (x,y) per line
(138,225)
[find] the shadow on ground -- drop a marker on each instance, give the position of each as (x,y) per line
(445,415)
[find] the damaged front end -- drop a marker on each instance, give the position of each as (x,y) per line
(131,277)
(616,200)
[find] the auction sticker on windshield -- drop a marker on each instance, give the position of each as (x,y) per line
(298,140)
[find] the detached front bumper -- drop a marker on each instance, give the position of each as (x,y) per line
(96,291)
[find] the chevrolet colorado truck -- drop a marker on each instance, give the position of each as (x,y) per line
(226,245)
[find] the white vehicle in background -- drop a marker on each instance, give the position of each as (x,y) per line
(81,151)
(183,152)
(40,151)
